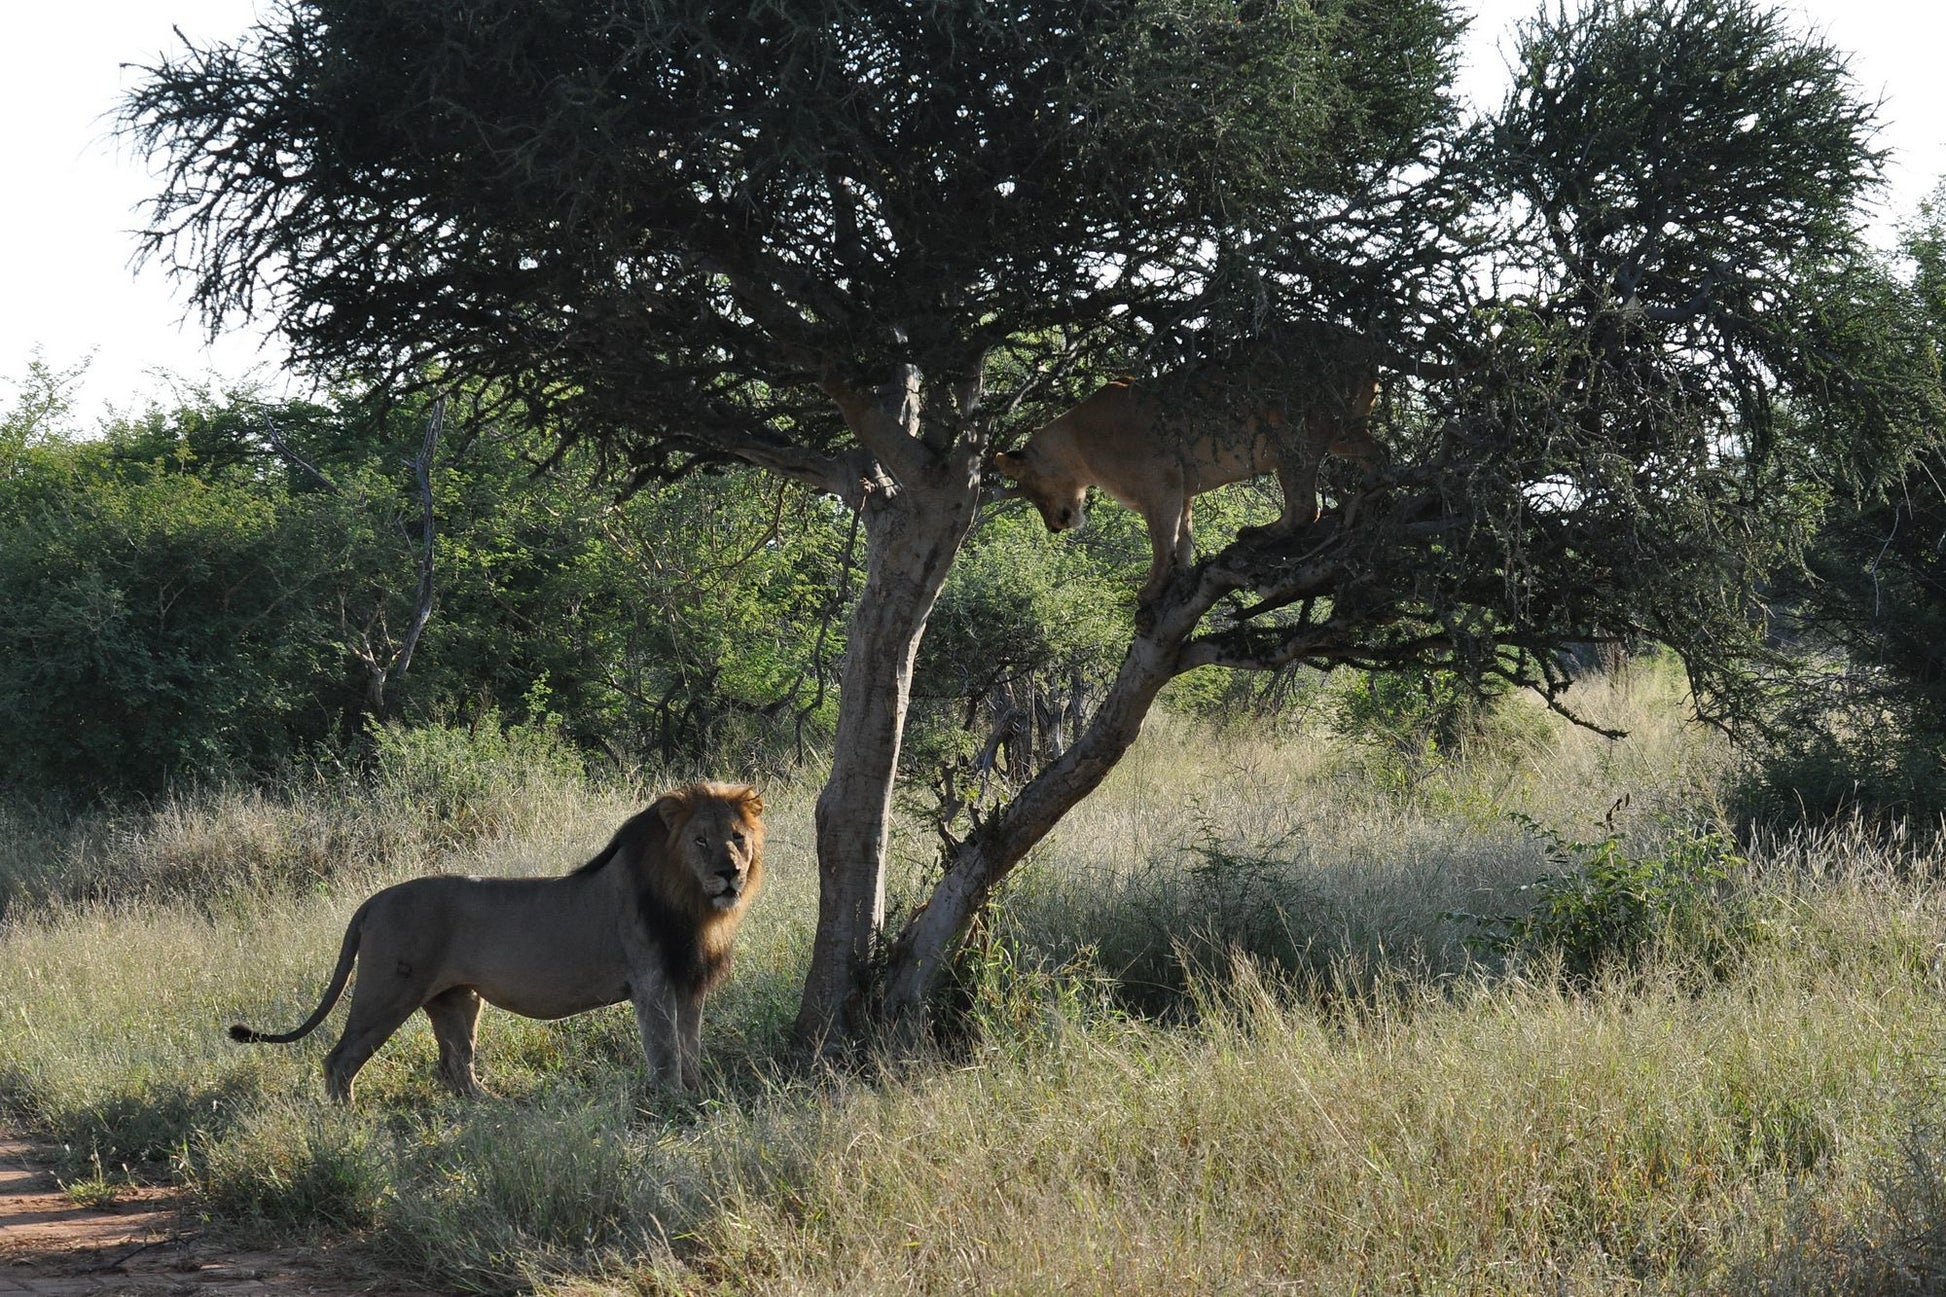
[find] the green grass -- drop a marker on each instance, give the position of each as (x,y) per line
(1227,1038)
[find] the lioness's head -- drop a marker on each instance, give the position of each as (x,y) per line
(716,841)
(1054,487)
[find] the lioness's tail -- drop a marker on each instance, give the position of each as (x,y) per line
(346,953)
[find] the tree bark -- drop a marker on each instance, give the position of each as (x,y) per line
(925,948)
(914,527)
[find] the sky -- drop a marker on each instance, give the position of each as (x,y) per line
(70,293)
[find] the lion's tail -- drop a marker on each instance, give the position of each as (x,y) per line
(341,975)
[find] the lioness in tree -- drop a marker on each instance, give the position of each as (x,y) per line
(648,920)
(1155,448)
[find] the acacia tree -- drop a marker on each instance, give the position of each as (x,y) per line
(794,235)
(1682,349)
(807,237)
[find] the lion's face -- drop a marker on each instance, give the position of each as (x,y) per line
(719,841)
(1060,495)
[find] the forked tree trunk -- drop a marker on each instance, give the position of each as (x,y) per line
(913,531)
(922,953)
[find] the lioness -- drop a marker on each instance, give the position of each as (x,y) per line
(649,920)
(1155,454)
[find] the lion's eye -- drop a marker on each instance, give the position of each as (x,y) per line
(701,841)
(737,838)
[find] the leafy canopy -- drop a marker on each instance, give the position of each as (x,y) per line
(668,220)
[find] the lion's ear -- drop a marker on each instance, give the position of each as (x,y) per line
(1006,463)
(670,808)
(752,800)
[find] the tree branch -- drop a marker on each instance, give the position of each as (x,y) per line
(422,473)
(291,457)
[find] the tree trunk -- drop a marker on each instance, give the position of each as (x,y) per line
(913,530)
(924,950)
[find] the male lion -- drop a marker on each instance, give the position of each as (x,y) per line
(1154,452)
(648,920)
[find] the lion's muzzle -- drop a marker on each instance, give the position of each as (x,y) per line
(730,888)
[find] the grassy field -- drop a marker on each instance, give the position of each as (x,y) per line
(1230,1031)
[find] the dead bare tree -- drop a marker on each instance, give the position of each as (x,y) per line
(383,660)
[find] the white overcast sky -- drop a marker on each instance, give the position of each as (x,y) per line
(68,288)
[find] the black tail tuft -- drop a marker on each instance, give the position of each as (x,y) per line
(239,1032)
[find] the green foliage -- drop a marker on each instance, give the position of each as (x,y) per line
(1705,335)
(96,1191)
(1624,129)
(43,404)
(727,598)
(156,624)
(1023,638)
(1862,728)
(1407,725)
(1021,602)
(1007,997)
(1151,932)
(298,1166)
(1247,902)
(178,603)
(456,776)
(1834,757)
(1605,910)
(1411,719)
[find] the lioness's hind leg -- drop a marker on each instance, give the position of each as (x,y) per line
(455,1016)
(1171,545)
(1299,480)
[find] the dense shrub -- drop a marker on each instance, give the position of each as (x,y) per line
(157,626)
(181,601)
(1605,909)
(1847,760)
(1863,728)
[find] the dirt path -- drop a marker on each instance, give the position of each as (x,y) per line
(145,1244)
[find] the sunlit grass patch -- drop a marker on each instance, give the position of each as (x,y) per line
(1222,1034)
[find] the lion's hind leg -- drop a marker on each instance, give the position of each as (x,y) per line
(1171,545)
(455,1016)
(1297,474)
(376,1012)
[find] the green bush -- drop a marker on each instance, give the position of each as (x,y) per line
(1605,910)
(1827,764)
(1025,635)
(148,628)
(461,776)
(1410,723)
(181,605)
(1005,996)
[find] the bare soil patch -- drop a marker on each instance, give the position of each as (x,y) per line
(147,1242)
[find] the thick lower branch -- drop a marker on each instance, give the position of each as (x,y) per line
(922,951)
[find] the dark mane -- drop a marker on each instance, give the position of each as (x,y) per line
(632,836)
(680,933)
(690,966)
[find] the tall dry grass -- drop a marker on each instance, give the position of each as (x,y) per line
(1332,852)
(1226,1037)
